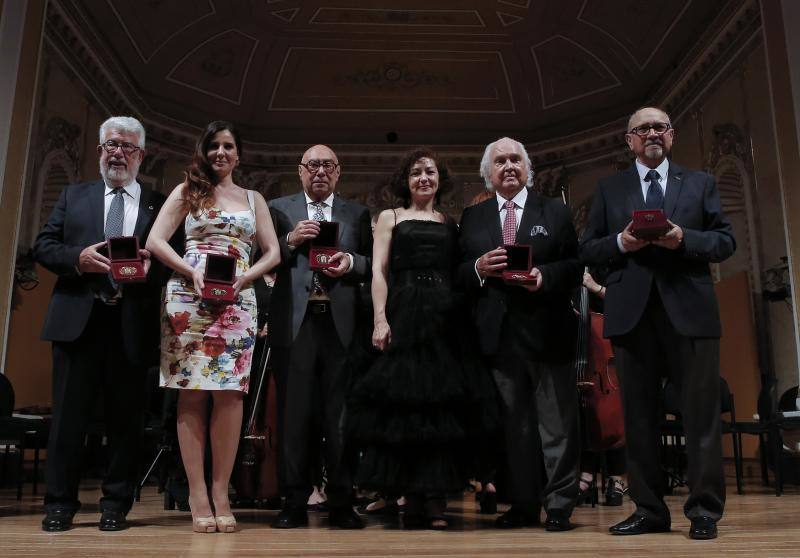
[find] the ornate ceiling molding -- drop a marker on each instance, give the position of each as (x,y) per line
(734,32)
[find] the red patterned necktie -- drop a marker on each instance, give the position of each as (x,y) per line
(510,223)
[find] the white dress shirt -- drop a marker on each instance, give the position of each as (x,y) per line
(327,207)
(519,206)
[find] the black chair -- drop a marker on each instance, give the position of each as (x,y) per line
(22,431)
(673,447)
(766,428)
(784,424)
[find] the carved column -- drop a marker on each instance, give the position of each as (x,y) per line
(21,25)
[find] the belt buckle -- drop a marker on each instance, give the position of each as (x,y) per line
(319,307)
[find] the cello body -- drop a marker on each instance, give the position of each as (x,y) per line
(601,399)
(255,476)
(598,385)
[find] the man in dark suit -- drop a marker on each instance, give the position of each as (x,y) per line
(662,318)
(104,334)
(528,332)
(312,319)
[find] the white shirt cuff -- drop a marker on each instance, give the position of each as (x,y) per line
(481,280)
(619,243)
(352,262)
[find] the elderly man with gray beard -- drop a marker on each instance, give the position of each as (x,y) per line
(103,333)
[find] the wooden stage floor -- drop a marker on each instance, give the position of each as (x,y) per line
(756,524)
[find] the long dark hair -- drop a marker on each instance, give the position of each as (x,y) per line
(399,183)
(200,180)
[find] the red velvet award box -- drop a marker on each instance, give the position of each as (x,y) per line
(519,262)
(325,245)
(219,277)
(126,264)
(649,224)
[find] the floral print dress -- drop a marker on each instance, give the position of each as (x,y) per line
(209,345)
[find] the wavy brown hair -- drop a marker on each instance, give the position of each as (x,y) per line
(399,183)
(200,180)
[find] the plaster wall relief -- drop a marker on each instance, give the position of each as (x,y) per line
(728,162)
(267,183)
(153,170)
(56,165)
(551,182)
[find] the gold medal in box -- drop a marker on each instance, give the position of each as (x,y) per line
(324,246)
(519,262)
(219,277)
(127,266)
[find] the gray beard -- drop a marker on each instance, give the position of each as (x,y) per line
(654,151)
(116,176)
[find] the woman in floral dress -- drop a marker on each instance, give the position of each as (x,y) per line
(207,347)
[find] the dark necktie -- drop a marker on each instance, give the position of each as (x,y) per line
(114,226)
(116,215)
(655,197)
(317,286)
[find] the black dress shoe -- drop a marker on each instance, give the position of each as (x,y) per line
(57,520)
(638,525)
(344,518)
(703,529)
(515,518)
(557,521)
(291,517)
(113,521)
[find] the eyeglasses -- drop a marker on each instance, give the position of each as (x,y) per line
(313,166)
(658,127)
(127,148)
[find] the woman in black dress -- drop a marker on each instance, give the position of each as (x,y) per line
(417,410)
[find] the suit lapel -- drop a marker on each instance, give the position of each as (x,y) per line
(97,209)
(531,214)
(299,210)
(145,214)
(338,211)
(633,190)
(674,185)
(493,219)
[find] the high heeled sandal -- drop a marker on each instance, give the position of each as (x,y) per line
(587,495)
(204,524)
(226,523)
(615,488)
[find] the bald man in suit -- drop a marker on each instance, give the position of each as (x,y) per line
(312,319)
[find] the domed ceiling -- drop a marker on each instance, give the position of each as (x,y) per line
(338,71)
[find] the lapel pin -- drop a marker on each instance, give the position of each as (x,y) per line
(150,207)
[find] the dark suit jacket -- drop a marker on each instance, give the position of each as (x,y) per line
(682,276)
(545,316)
(75,223)
(293,283)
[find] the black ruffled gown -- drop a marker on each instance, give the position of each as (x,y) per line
(420,410)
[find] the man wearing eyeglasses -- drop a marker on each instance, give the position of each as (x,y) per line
(104,334)
(312,319)
(662,318)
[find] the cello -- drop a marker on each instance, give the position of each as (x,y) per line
(598,386)
(255,476)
